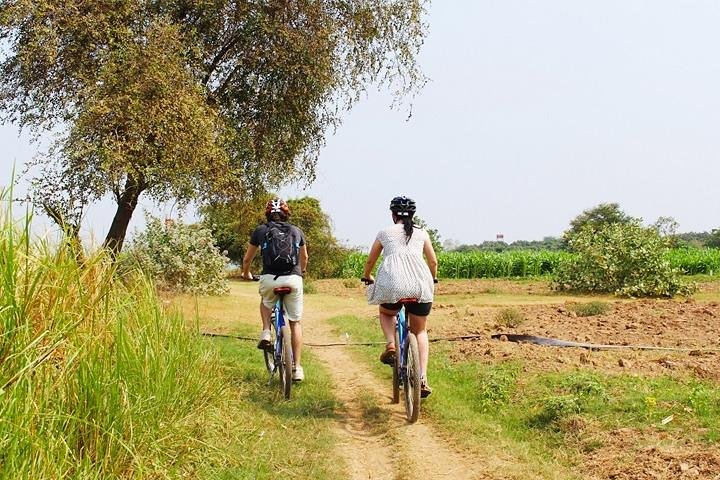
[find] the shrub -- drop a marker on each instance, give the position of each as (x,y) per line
(497,385)
(590,309)
(584,384)
(509,317)
(556,408)
(309,287)
(180,257)
(624,259)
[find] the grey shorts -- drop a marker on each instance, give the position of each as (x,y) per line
(293,300)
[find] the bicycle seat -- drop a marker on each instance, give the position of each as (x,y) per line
(408,300)
(282,290)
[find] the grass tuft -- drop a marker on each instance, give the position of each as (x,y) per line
(509,317)
(590,309)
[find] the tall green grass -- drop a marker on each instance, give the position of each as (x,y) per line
(96,380)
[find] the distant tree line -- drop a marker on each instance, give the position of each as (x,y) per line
(594,220)
(547,243)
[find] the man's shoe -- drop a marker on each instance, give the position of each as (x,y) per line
(298,374)
(265,342)
(388,356)
(425,389)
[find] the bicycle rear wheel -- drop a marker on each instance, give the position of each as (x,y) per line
(396,370)
(285,362)
(412,381)
(269,354)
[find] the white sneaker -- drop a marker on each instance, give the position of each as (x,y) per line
(298,374)
(265,340)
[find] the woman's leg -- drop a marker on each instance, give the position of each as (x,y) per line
(387,323)
(418,327)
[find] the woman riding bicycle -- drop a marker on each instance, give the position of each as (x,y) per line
(403,274)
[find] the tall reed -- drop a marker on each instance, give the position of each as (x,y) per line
(96,380)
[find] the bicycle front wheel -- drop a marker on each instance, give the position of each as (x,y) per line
(285,362)
(269,360)
(412,380)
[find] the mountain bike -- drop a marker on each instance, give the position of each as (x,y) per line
(279,357)
(406,369)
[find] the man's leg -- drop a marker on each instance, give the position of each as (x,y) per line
(294,311)
(265,342)
(265,316)
(296,332)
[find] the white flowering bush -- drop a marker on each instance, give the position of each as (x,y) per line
(624,259)
(180,257)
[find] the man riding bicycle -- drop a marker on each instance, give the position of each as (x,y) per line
(285,259)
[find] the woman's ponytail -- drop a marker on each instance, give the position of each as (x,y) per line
(408,226)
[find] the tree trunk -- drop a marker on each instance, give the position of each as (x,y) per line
(125,207)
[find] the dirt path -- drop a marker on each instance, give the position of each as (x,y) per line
(373,431)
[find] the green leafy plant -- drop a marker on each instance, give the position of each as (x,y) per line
(556,408)
(180,257)
(622,258)
(584,384)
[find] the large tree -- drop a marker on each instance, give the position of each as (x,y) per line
(192,99)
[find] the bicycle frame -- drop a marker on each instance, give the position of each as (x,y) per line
(402,327)
(278,315)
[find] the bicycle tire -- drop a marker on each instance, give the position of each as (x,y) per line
(285,361)
(396,370)
(412,379)
(269,353)
(270,360)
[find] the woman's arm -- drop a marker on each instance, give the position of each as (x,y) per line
(430,257)
(374,254)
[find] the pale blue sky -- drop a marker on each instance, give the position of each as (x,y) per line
(534,112)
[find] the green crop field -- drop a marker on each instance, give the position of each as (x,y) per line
(533,263)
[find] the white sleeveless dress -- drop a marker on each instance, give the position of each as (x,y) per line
(403,272)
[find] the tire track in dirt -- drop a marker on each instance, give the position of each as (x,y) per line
(395,450)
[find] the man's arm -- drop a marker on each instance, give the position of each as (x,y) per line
(303,258)
(247,260)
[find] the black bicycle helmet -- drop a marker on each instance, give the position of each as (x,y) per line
(402,206)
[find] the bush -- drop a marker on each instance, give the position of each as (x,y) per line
(590,309)
(180,257)
(624,259)
(556,408)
